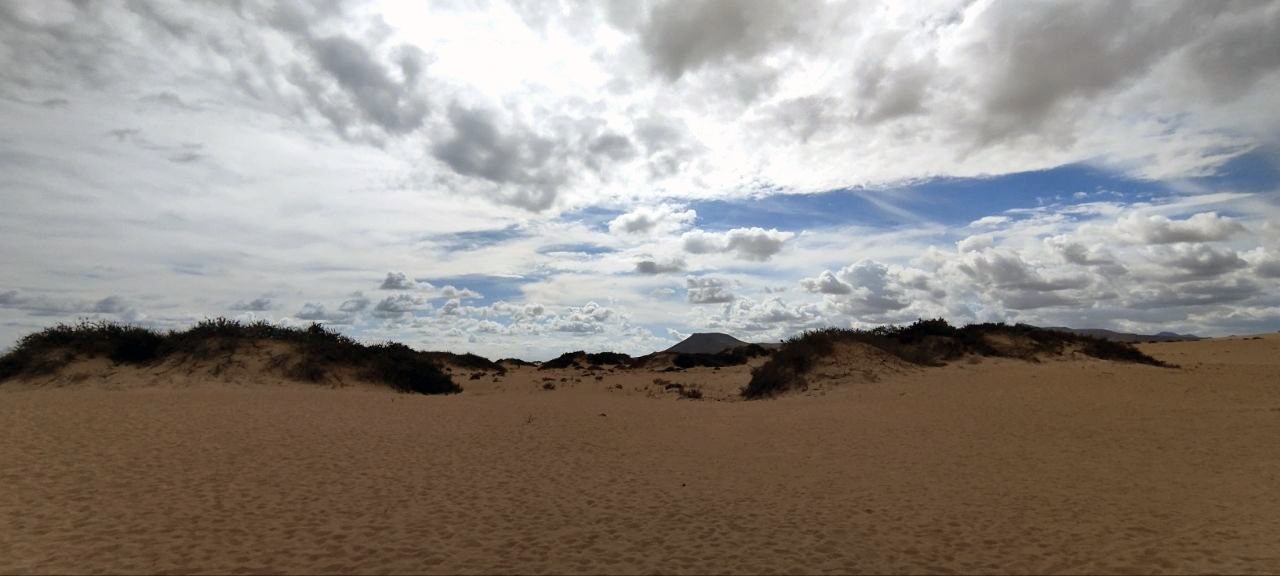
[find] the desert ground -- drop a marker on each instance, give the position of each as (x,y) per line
(1071,465)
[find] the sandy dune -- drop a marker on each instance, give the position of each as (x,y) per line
(1074,466)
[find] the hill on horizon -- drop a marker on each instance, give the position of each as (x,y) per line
(706,343)
(1126,336)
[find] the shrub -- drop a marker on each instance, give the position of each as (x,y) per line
(136,345)
(319,350)
(407,370)
(468,361)
(566,360)
(732,357)
(599,358)
(928,343)
(1109,350)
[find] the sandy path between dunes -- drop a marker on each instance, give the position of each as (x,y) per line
(1082,466)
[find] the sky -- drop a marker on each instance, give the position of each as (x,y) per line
(526,178)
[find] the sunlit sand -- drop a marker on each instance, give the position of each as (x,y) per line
(992,465)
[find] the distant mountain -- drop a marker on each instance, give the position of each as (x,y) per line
(1126,336)
(706,343)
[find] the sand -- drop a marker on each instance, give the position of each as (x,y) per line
(1067,466)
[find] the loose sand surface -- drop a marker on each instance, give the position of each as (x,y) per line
(1073,466)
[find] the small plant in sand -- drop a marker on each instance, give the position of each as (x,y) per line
(689,392)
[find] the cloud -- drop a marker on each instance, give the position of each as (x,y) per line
(528,166)
(864,288)
(989,222)
(768,319)
(1199,260)
(826,283)
(755,244)
(451,307)
(1269,268)
(1156,229)
(708,290)
(589,318)
(311,142)
(110,305)
(357,303)
(685,36)
(396,107)
(449,291)
(1007,269)
(312,311)
(653,267)
(397,306)
(657,220)
(315,312)
(398,281)
(41,305)
(260,304)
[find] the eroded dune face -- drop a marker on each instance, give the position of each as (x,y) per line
(1066,465)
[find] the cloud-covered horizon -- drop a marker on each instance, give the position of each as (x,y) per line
(519,179)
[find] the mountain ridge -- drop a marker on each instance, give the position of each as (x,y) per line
(1127,336)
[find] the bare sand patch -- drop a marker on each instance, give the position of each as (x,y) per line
(1075,465)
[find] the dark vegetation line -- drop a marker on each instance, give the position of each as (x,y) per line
(928,343)
(679,360)
(318,352)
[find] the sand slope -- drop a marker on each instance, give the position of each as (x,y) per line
(1065,466)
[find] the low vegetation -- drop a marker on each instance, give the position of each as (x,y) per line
(683,390)
(466,361)
(929,343)
(684,360)
(579,358)
(733,357)
(318,351)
